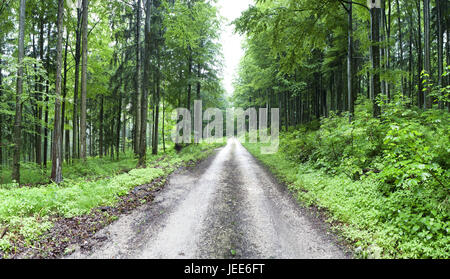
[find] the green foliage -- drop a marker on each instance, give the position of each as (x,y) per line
(26,211)
(386,180)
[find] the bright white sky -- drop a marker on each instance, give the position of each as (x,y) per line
(231,43)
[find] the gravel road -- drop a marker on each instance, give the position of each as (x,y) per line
(229,206)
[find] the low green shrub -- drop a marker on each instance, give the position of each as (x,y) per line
(25,211)
(385,180)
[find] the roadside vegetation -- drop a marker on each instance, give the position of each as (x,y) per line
(25,212)
(385,182)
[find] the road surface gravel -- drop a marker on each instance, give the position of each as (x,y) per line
(229,206)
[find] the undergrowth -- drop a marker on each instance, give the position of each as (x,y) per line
(25,211)
(387,181)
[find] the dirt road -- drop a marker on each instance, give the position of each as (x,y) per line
(229,206)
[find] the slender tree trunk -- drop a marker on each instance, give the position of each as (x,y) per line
(375,31)
(56,175)
(137,125)
(63,111)
(19,90)
(84,38)
(411,61)
(400,35)
(188,105)
(124,132)
(199,85)
(388,51)
(1,116)
(75,150)
(448,49)
(420,94)
(440,47)
(38,127)
(426,18)
(47,91)
(101,128)
(118,120)
(163,123)
(155,140)
(350,67)
(144,106)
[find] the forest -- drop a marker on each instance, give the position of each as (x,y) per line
(88,87)
(364,106)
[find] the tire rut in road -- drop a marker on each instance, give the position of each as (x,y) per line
(225,235)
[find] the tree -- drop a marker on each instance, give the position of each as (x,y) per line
(56,175)
(138,86)
(426,18)
(144,105)
(375,37)
(75,149)
(84,35)
(19,91)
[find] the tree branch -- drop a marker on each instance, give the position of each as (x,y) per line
(356,3)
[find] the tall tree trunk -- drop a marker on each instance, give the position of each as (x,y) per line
(63,111)
(47,91)
(137,99)
(375,32)
(75,135)
(426,19)
(155,139)
(118,120)
(188,104)
(163,132)
(420,94)
(101,143)
(84,38)
(199,85)
(57,143)
(400,35)
(440,47)
(38,127)
(19,90)
(144,105)
(124,131)
(411,61)
(1,116)
(350,67)
(388,51)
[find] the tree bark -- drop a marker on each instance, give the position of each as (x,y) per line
(400,35)
(440,47)
(426,19)
(420,94)
(375,32)
(1,116)
(144,104)
(19,90)
(84,38)
(38,128)
(56,175)
(101,145)
(66,150)
(75,150)
(350,67)
(137,125)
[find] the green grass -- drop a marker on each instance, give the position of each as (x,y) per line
(32,174)
(387,181)
(377,225)
(26,211)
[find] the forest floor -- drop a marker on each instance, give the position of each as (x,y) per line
(228,206)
